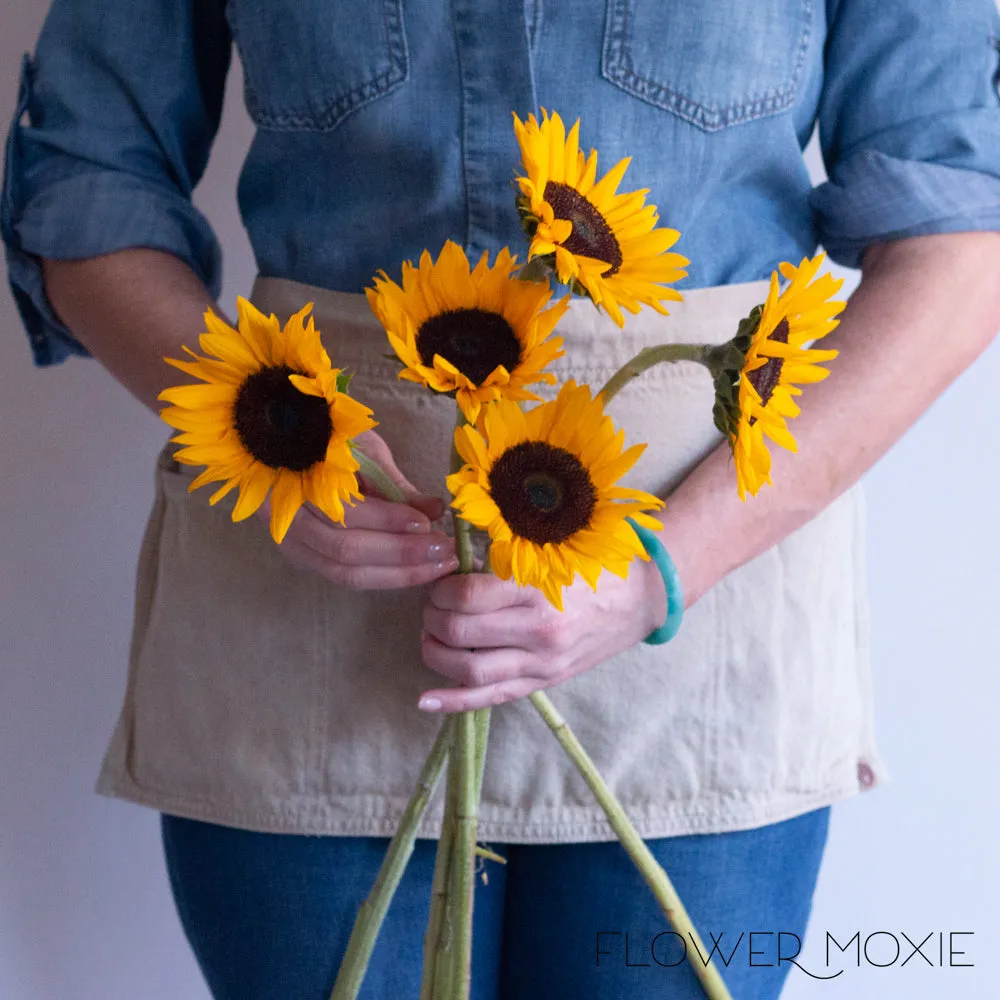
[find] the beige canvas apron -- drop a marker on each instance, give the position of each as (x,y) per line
(264,697)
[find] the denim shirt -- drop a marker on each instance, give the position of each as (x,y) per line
(384,127)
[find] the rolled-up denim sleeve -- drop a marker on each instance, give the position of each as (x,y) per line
(909,122)
(114,121)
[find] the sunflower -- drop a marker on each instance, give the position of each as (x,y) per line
(604,244)
(776,359)
(476,333)
(542,483)
(270,413)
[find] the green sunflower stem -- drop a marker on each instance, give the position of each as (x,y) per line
(374,472)
(703,354)
(463,545)
(436,969)
(650,869)
(447,973)
(372,911)
(447,947)
(463,856)
(463,530)
(482,736)
(467,760)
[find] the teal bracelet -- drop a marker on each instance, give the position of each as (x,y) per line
(672,582)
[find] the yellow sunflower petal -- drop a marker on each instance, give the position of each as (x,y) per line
(777,361)
(200,396)
(500,559)
(251,458)
(231,350)
(306,384)
(621,268)
(207,369)
(286,499)
(480,303)
(508,491)
(253,490)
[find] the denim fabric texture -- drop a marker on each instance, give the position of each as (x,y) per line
(269,915)
(384,127)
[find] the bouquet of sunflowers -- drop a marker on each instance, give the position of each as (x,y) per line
(271,414)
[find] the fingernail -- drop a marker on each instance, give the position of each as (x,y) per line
(417,527)
(429,704)
(448,566)
(438,549)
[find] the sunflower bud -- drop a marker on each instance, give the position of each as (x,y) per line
(529,221)
(726,362)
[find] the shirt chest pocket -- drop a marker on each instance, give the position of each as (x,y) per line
(714,63)
(309,63)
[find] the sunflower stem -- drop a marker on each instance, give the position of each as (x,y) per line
(374,472)
(447,972)
(463,530)
(463,856)
(463,546)
(436,969)
(372,911)
(650,869)
(482,736)
(658,355)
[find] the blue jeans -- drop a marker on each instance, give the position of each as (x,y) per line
(268,915)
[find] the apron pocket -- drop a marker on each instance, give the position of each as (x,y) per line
(226,629)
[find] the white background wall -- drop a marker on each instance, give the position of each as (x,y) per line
(85,910)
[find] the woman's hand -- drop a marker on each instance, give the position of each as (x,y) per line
(501,641)
(381,545)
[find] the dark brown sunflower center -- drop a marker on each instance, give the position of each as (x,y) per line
(473,340)
(280,426)
(591,236)
(544,493)
(765,378)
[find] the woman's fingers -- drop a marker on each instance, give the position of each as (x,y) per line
(475,668)
(515,627)
(375,514)
(368,576)
(426,508)
(468,699)
(433,508)
(378,548)
(413,555)
(482,673)
(381,545)
(373,445)
(479,593)
(389,541)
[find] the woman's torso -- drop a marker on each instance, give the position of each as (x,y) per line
(405,109)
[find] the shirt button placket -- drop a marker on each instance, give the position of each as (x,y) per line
(496,79)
